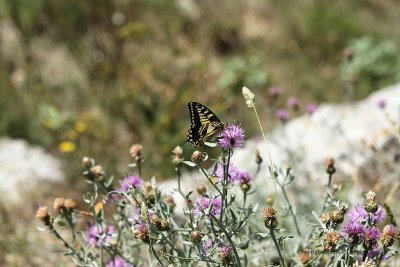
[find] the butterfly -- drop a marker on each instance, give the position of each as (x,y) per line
(204,124)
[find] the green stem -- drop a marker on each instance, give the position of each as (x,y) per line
(66,245)
(291,210)
(271,231)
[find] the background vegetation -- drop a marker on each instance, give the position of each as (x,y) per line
(90,78)
(97,73)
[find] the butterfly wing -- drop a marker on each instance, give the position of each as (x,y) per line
(204,124)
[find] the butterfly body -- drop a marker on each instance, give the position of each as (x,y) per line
(204,124)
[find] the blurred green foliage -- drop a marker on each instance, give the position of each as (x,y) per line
(106,74)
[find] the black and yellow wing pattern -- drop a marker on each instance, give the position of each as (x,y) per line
(204,124)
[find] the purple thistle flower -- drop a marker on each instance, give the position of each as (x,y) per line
(118,262)
(375,252)
(353,230)
(311,108)
(225,250)
(203,205)
(130,181)
(359,214)
(100,236)
(231,136)
(233,173)
(293,103)
(282,114)
(371,236)
(244,177)
(381,103)
(274,91)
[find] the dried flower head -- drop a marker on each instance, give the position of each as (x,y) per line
(331,238)
(149,193)
(337,216)
(70,204)
(136,152)
(325,217)
(198,157)
(248,96)
(330,166)
(269,215)
(195,237)
(87,162)
(58,204)
(232,136)
(305,257)
(97,171)
(389,235)
(177,157)
(370,196)
(201,189)
(169,200)
(366,263)
(42,214)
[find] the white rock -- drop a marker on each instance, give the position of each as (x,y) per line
(22,166)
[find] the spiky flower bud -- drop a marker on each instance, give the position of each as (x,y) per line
(195,237)
(269,200)
(97,171)
(87,162)
(177,157)
(43,214)
(169,200)
(58,204)
(198,157)
(70,204)
(245,187)
(136,152)
(201,189)
(330,166)
(142,232)
(270,220)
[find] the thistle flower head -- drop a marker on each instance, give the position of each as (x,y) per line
(177,157)
(70,204)
(207,205)
(360,214)
(367,263)
(381,103)
(130,181)
(331,238)
(42,214)
(195,237)
(282,114)
(118,262)
(58,204)
(232,136)
(233,173)
(198,157)
(293,103)
(136,152)
(225,253)
(389,235)
(100,235)
(142,232)
(371,236)
(330,166)
(274,91)
(269,215)
(311,108)
(353,230)
(201,189)
(248,96)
